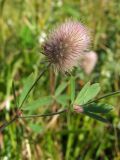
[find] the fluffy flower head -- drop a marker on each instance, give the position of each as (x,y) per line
(65,45)
(88,62)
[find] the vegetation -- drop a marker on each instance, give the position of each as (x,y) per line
(70,136)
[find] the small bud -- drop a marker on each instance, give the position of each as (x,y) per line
(78,109)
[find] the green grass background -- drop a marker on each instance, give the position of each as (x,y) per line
(23,24)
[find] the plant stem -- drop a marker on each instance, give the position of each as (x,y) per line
(18,116)
(43,115)
(7,123)
(102,97)
(29,116)
(14,94)
(37,79)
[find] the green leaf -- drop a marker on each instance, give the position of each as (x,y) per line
(26,86)
(93,90)
(60,89)
(72,88)
(35,127)
(87,93)
(62,99)
(96,117)
(39,103)
(80,97)
(98,108)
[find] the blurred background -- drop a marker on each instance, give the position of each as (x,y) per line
(23,26)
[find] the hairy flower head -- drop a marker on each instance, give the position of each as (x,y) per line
(65,45)
(88,62)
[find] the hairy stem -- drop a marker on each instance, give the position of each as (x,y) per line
(102,97)
(14,94)
(2,127)
(43,115)
(37,79)
(7,123)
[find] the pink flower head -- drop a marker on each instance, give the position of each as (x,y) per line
(65,45)
(88,62)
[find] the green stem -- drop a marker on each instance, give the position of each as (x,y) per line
(43,115)
(7,123)
(14,94)
(102,97)
(2,127)
(37,79)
